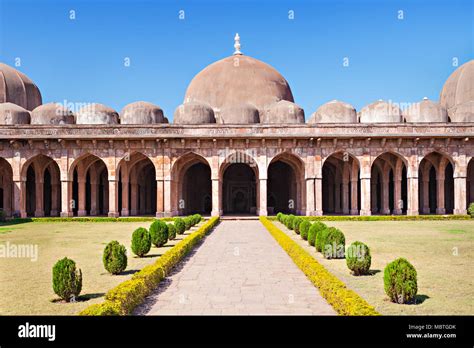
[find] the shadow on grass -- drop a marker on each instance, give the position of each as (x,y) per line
(80,298)
(419,299)
(128,272)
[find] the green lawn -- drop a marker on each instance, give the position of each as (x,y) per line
(441,251)
(25,285)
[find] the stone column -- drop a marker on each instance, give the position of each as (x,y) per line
(167,197)
(354,200)
(94,198)
(318,194)
(373,197)
(81,186)
(39,195)
(125,209)
(19,198)
(365,194)
(263,197)
(7,197)
(216,197)
(66,197)
(460,195)
(345,197)
(397,196)
(113,198)
(159,198)
(426,195)
(385,195)
(440,209)
(310,199)
(54,199)
(134,199)
(412,204)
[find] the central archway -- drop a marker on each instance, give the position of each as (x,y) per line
(239,189)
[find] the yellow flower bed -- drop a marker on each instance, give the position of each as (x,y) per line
(123,299)
(342,299)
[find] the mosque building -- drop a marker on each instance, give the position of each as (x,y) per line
(238,144)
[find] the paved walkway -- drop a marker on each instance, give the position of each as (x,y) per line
(238,269)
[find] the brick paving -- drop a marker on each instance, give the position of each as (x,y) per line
(238,269)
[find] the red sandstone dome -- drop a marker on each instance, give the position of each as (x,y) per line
(238,83)
(457,95)
(141,112)
(17,88)
(52,114)
(334,111)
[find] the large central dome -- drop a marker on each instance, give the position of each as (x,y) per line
(238,90)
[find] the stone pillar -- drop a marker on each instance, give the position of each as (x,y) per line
(54,199)
(125,209)
(134,199)
(94,198)
(354,200)
(113,198)
(412,193)
(167,197)
(216,198)
(81,186)
(263,197)
(310,199)
(159,198)
(460,195)
(66,197)
(318,194)
(397,196)
(7,197)
(19,198)
(39,195)
(365,195)
(385,195)
(440,195)
(426,195)
(345,197)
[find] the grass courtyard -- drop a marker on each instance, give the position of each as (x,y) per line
(441,251)
(26,286)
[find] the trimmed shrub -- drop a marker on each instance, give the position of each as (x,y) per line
(159,233)
(289,221)
(399,280)
(187,222)
(67,280)
(296,224)
(197,218)
(180,225)
(470,210)
(314,230)
(320,240)
(171,231)
(279,216)
(334,245)
(115,257)
(141,241)
(358,258)
(284,219)
(304,227)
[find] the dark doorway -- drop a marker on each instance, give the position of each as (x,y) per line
(239,190)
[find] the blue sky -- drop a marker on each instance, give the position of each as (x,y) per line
(82,60)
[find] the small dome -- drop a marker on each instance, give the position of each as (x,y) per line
(238,79)
(12,114)
(239,114)
(52,113)
(380,112)
(283,112)
(141,113)
(425,111)
(457,95)
(17,88)
(97,114)
(334,112)
(194,113)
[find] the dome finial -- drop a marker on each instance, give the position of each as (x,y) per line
(237,44)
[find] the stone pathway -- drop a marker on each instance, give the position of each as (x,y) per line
(238,269)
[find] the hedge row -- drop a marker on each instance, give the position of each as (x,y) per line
(382,218)
(343,300)
(88,219)
(123,299)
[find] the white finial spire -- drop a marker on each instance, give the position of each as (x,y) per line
(237,44)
